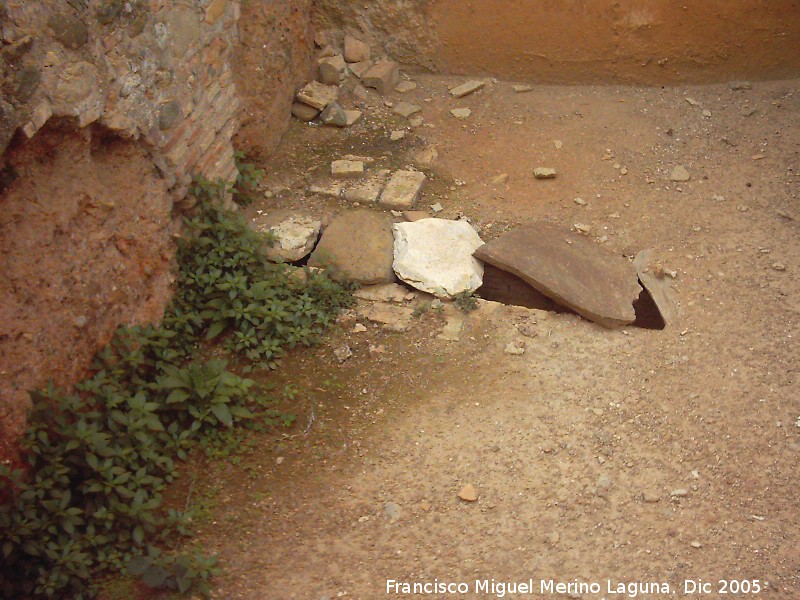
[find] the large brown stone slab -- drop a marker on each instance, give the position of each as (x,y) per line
(507,288)
(357,246)
(569,268)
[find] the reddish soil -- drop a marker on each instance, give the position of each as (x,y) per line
(650,41)
(630,455)
(86,245)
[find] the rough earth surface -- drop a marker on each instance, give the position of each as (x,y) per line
(86,247)
(627,455)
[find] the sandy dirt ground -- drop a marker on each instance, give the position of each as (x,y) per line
(612,457)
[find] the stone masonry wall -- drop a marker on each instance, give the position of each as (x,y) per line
(107,109)
(150,70)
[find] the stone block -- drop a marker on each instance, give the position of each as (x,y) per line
(318,95)
(384,76)
(332,69)
(346,169)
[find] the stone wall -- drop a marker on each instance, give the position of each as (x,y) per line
(108,107)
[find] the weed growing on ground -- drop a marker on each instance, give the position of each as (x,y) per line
(100,458)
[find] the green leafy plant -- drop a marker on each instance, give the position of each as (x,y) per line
(466,301)
(99,459)
(247,180)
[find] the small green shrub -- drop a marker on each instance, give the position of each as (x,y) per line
(99,459)
(466,301)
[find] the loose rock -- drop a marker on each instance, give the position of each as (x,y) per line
(304,112)
(406,109)
(318,95)
(427,156)
(679,173)
(384,76)
(342,353)
(366,192)
(334,115)
(522,88)
(500,179)
(294,234)
(461,113)
(466,88)
(544,173)
(332,69)
(384,292)
(405,86)
(514,349)
(358,69)
(355,50)
(468,493)
(353,117)
(345,169)
(435,256)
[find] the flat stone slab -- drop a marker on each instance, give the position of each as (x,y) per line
(393,318)
(658,287)
(294,234)
(357,246)
(405,86)
(402,190)
(406,109)
(569,268)
(465,89)
(435,256)
(368,190)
